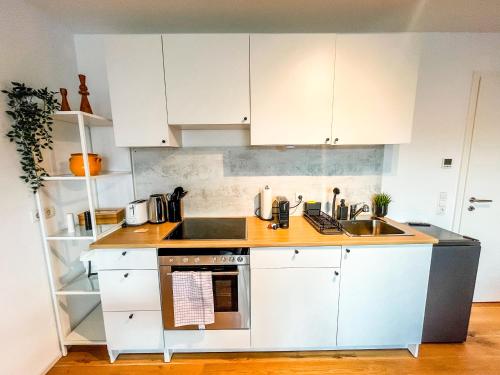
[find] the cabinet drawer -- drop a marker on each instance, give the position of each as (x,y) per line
(129,290)
(122,259)
(134,330)
(289,257)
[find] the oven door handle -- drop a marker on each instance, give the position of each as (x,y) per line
(216,273)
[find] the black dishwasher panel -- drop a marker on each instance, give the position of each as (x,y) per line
(452,279)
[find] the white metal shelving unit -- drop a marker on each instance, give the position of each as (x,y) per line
(90,330)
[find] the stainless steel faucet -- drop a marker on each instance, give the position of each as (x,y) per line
(354,211)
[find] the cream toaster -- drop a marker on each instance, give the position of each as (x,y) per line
(137,212)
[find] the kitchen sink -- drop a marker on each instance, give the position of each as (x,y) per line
(371,228)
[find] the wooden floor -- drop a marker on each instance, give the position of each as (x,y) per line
(479,355)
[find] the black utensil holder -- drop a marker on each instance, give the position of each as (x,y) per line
(174,211)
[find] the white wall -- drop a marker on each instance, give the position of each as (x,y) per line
(35,50)
(413,175)
(90,52)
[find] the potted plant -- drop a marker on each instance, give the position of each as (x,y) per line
(381,204)
(31,128)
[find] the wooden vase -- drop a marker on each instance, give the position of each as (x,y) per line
(84,92)
(64,99)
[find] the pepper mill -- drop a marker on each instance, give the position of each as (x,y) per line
(84,92)
(64,99)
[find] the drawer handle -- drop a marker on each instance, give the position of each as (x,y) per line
(131,316)
(347,250)
(124,253)
(337,273)
(125,275)
(296,251)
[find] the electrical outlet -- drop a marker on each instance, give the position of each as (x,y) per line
(48,213)
(298,196)
(441,210)
(35,216)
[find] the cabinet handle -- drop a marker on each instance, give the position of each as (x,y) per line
(337,273)
(347,250)
(131,316)
(245,118)
(163,141)
(335,140)
(327,140)
(124,253)
(296,251)
(125,275)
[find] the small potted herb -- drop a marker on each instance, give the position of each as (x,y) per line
(31,128)
(381,204)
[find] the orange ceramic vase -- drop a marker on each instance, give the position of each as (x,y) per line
(77,168)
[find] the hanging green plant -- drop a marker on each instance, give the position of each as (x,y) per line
(31,129)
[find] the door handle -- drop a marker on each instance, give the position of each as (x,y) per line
(475,200)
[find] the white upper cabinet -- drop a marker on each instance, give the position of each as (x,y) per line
(137,90)
(291,80)
(207,78)
(375,87)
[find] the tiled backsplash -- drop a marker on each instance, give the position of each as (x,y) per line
(225,181)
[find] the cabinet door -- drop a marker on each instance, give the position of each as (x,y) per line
(291,88)
(207,78)
(124,290)
(137,90)
(383,294)
(134,330)
(375,88)
(294,307)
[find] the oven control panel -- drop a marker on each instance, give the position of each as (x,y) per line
(203,260)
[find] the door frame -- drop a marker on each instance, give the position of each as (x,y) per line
(466,149)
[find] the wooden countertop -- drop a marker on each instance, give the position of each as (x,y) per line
(300,233)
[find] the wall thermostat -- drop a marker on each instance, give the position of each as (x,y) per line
(447,163)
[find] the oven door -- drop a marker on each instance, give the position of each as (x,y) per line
(231,289)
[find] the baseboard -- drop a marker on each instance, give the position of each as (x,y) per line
(52,363)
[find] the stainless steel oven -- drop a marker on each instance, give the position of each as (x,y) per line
(230,282)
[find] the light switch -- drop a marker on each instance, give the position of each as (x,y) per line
(442,203)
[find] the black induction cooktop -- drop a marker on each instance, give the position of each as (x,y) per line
(210,229)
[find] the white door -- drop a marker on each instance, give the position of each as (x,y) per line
(375,88)
(291,88)
(207,78)
(479,219)
(294,307)
(382,295)
(137,90)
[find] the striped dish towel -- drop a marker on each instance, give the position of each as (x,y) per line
(193,298)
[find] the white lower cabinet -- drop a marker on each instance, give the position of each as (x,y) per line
(210,340)
(126,290)
(125,259)
(382,295)
(294,308)
(130,298)
(134,330)
(304,298)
